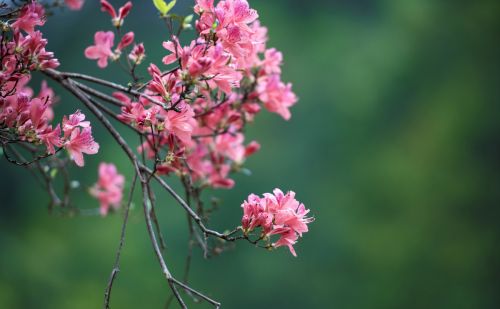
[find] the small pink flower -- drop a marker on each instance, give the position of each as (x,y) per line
(135,114)
(276,96)
(231,146)
(74,4)
(181,124)
(272,61)
(173,48)
(116,19)
(80,142)
(31,15)
(75,120)
(137,54)
(102,49)
(204,6)
(47,94)
(109,187)
(51,138)
(287,238)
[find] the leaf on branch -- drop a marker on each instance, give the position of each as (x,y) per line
(163,7)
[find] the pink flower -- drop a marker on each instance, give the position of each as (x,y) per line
(137,54)
(204,6)
(277,214)
(172,47)
(287,238)
(116,19)
(51,138)
(135,114)
(75,120)
(230,20)
(231,146)
(272,61)
(74,4)
(31,15)
(102,49)
(80,142)
(218,176)
(109,187)
(181,124)
(47,94)
(33,53)
(162,85)
(276,96)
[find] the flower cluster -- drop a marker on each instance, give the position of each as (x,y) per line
(109,187)
(276,214)
(22,48)
(27,118)
(102,50)
(216,84)
(190,115)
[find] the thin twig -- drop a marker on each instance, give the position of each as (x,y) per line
(116,266)
(111,85)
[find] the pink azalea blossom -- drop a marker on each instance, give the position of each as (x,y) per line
(117,19)
(272,61)
(102,49)
(31,15)
(137,115)
(277,214)
(74,4)
(199,59)
(231,146)
(163,85)
(47,94)
(287,238)
(33,54)
(181,124)
(51,138)
(276,96)
(75,120)
(80,142)
(109,187)
(137,54)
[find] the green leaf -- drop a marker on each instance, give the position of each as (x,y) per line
(53,173)
(163,7)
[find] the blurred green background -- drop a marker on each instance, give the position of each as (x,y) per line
(394,146)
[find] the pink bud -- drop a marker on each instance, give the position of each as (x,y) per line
(126,40)
(252,148)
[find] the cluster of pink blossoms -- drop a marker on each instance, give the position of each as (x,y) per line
(24,116)
(109,187)
(214,86)
(276,214)
(102,50)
